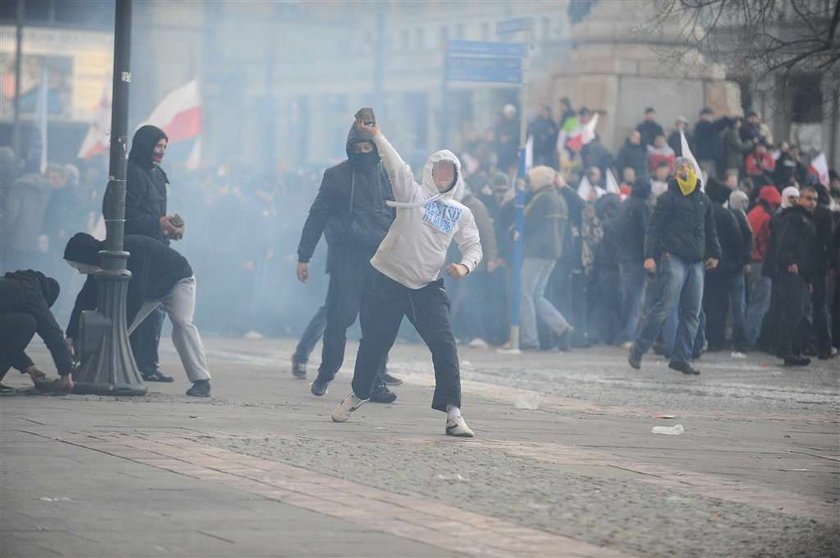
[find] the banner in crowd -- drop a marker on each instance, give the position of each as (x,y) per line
(98,138)
(179,115)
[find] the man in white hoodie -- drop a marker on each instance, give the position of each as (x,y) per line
(407,265)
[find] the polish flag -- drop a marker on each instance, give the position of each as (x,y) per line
(583,134)
(179,113)
(98,138)
(819,168)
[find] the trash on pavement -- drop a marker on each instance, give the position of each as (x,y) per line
(675,430)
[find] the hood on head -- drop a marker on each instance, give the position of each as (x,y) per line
(356,135)
(717,192)
(84,249)
(456,191)
(641,188)
(143,145)
(48,286)
(790,191)
(771,195)
(607,206)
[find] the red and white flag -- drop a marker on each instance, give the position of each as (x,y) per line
(819,168)
(584,134)
(98,138)
(179,113)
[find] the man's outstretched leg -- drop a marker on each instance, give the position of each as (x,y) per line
(669,278)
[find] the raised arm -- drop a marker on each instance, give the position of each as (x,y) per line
(399,172)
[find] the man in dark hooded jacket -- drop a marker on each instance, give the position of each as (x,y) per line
(158,274)
(145,215)
(634,155)
(350,211)
(25,301)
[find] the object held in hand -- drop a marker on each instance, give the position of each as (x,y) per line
(178,222)
(366,115)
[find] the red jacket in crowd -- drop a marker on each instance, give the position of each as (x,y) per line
(759,218)
(759,164)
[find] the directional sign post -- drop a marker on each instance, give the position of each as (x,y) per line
(512,26)
(495,63)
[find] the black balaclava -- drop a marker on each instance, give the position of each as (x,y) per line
(143,145)
(361,160)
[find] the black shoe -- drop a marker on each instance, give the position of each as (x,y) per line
(797,361)
(299,369)
(319,388)
(683,367)
(392,381)
(634,359)
(382,395)
(156,376)
(200,388)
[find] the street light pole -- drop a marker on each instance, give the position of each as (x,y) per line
(18,64)
(111,370)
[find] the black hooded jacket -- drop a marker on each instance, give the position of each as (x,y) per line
(350,207)
(683,226)
(632,222)
(31,292)
(155,269)
(797,243)
(145,188)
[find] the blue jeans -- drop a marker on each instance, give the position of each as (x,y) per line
(633,277)
(679,285)
(759,289)
(535,275)
(737,305)
(311,335)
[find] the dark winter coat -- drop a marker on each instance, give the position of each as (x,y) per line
(486,230)
(786,169)
(735,149)
(594,154)
(350,209)
(826,249)
(675,142)
(707,139)
(683,226)
(145,187)
(633,220)
(797,243)
(649,130)
(155,268)
(572,242)
(544,131)
(546,216)
(31,292)
(633,156)
(734,253)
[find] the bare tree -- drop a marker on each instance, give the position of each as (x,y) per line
(755,37)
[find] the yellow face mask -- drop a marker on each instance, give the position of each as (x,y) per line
(689,184)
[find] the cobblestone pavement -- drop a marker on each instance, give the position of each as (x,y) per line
(564,463)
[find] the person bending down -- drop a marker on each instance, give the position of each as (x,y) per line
(158,273)
(406,283)
(25,300)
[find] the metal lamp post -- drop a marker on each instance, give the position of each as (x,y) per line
(111,369)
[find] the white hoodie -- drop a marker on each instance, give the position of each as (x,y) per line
(415,247)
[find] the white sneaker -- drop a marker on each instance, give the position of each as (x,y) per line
(478,343)
(458,427)
(349,404)
(737,354)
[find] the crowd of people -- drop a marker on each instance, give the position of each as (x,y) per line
(594,238)
(640,248)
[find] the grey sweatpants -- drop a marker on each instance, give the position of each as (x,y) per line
(179,304)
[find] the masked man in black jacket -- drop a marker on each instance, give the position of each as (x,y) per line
(350,211)
(680,236)
(145,214)
(25,300)
(158,274)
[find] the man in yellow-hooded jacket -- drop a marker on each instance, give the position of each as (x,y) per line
(681,240)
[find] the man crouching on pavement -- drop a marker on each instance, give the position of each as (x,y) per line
(406,283)
(158,274)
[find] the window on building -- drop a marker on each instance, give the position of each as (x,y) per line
(807,99)
(546,29)
(419,39)
(485,31)
(405,40)
(459,31)
(444,36)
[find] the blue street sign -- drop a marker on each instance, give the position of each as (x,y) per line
(486,48)
(511,26)
(499,69)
